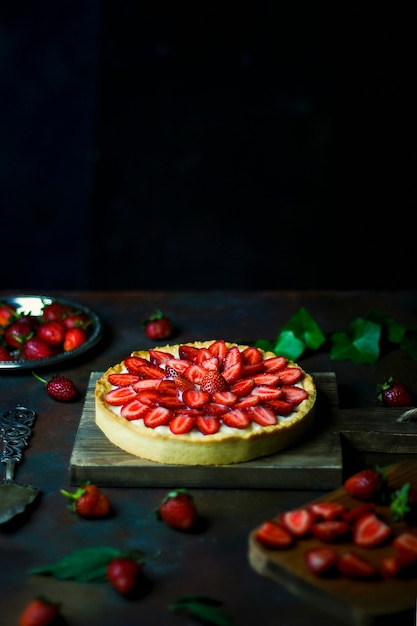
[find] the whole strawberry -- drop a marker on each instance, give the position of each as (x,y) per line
(123,574)
(35,348)
(178,510)
(395,394)
(366,484)
(39,612)
(59,387)
(89,501)
(158,326)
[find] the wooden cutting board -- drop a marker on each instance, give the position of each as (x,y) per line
(360,603)
(314,463)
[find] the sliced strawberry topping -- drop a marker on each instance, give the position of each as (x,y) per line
(225,397)
(251,355)
(133,410)
(242,387)
(147,383)
(275,364)
(297,521)
(195,399)
(157,416)
(232,364)
(195,373)
(123,379)
(262,415)
(170,402)
(182,383)
(150,371)
(181,423)
(266,378)
(219,349)
(237,418)
(175,366)
(202,354)
(214,408)
(290,376)
(251,400)
(210,364)
(295,395)
(207,424)
(158,357)
(132,363)
(167,387)
(356,566)
(148,397)
(119,396)
(252,369)
(370,531)
(327,510)
(273,535)
(266,393)
(281,407)
(188,353)
(213,381)
(330,530)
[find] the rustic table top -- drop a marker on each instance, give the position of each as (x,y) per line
(213,561)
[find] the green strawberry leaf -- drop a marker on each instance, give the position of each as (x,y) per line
(85,565)
(360,344)
(205,609)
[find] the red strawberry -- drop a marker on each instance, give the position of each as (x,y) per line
(271,534)
(195,399)
(60,388)
(35,348)
(356,566)
(7,313)
(77,319)
(149,370)
(39,612)
(89,501)
(265,378)
(365,485)
(207,424)
(251,355)
(182,423)
(281,407)
(331,530)
(295,395)
(74,337)
(290,376)
(266,393)
(242,387)
(120,395)
(123,379)
(53,332)
(327,510)
(158,326)
(123,574)
(262,415)
(213,381)
(17,333)
(134,363)
(236,418)
(133,409)
(228,398)
(406,541)
(195,373)
(178,510)
(148,397)
(187,353)
(322,560)
(219,349)
(370,531)
(399,564)
(55,311)
(158,357)
(5,354)
(275,363)
(232,364)
(157,416)
(351,515)
(297,521)
(395,394)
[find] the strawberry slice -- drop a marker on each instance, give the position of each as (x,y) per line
(195,373)
(170,402)
(207,424)
(157,416)
(262,415)
(132,363)
(251,355)
(167,388)
(201,355)
(370,531)
(120,395)
(330,530)
(213,408)
(273,535)
(236,418)
(123,379)
(182,383)
(148,397)
(175,366)
(292,394)
(224,397)
(158,357)
(400,564)
(133,410)
(195,399)
(247,401)
(356,566)
(407,541)
(232,364)
(219,349)
(327,510)
(275,363)
(213,381)
(321,561)
(290,376)
(210,364)
(188,353)
(181,423)
(266,393)
(147,383)
(266,378)
(150,371)
(351,515)
(252,369)
(242,387)
(281,407)
(297,521)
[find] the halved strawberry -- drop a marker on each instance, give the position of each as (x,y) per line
(331,530)
(167,388)
(322,560)
(158,357)
(201,355)
(250,400)
(406,541)
(181,423)
(123,379)
(119,395)
(290,376)
(182,383)
(224,397)
(195,398)
(210,364)
(297,521)
(207,424)
(232,364)
(133,410)
(251,355)
(252,369)
(293,394)
(188,353)
(266,378)
(236,418)
(157,416)
(351,515)
(170,402)
(132,363)
(175,366)
(327,510)
(150,371)
(218,348)
(195,373)
(216,409)
(213,381)
(281,407)
(262,415)
(242,387)
(275,363)
(266,393)
(148,397)
(354,565)
(147,383)
(273,535)
(400,564)
(370,531)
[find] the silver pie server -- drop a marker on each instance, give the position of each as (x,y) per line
(15,429)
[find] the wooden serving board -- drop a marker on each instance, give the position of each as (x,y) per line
(360,603)
(314,463)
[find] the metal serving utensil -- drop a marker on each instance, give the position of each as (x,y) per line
(15,428)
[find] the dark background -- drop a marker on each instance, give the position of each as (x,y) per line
(181,145)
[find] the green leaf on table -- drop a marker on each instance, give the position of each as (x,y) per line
(360,344)
(305,328)
(288,345)
(395,332)
(205,609)
(85,565)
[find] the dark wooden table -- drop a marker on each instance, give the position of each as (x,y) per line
(214,561)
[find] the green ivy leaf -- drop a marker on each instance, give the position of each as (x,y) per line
(395,332)
(306,329)
(85,565)
(360,344)
(288,345)
(205,609)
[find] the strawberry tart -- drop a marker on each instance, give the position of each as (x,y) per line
(204,403)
